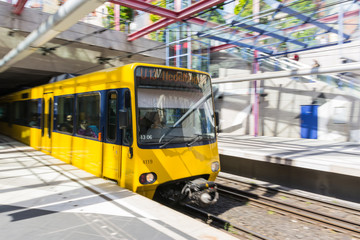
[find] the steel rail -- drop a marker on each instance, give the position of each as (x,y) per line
(297,196)
(335,223)
(218,222)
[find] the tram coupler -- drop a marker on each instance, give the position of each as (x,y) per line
(200,192)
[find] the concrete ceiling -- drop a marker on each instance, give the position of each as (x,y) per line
(16,79)
(69,56)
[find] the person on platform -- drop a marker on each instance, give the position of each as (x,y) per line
(316,64)
(296,57)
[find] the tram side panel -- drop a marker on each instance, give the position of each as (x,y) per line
(86,130)
(123,79)
(79,125)
(20,116)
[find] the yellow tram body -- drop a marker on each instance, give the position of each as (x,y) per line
(106,154)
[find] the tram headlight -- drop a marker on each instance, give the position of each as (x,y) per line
(215,166)
(147,178)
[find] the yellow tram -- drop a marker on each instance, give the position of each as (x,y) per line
(151,128)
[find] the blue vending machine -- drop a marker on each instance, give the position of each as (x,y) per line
(309,121)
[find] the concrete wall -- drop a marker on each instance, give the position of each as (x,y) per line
(280,102)
(320,182)
(280,109)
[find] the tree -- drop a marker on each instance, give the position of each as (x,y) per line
(245,9)
(126,16)
(160,3)
(160,34)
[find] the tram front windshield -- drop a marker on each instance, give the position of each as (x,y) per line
(174,107)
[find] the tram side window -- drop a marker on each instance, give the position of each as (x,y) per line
(33,117)
(88,117)
(127,132)
(65,113)
(3,112)
(16,112)
(111,120)
(20,113)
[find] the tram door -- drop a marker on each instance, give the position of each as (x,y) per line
(127,140)
(112,148)
(46,124)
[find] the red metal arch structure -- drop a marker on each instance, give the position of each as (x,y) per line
(321,20)
(19,6)
(170,16)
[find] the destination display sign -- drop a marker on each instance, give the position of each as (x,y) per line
(148,76)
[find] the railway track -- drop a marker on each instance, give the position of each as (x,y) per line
(327,214)
(337,220)
(219,223)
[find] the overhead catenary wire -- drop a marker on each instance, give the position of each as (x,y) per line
(211,9)
(164,45)
(270,11)
(111,26)
(95,32)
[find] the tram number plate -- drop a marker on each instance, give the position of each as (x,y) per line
(146,137)
(148,161)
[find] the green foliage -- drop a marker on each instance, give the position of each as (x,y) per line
(158,36)
(125,14)
(308,32)
(216,16)
(154,18)
(245,9)
(306,7)
(160,3)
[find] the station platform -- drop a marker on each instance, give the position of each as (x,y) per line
(45,198)
(330,168)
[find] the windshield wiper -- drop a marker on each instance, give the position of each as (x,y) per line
(165,144)
(195,139)
(187,114)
